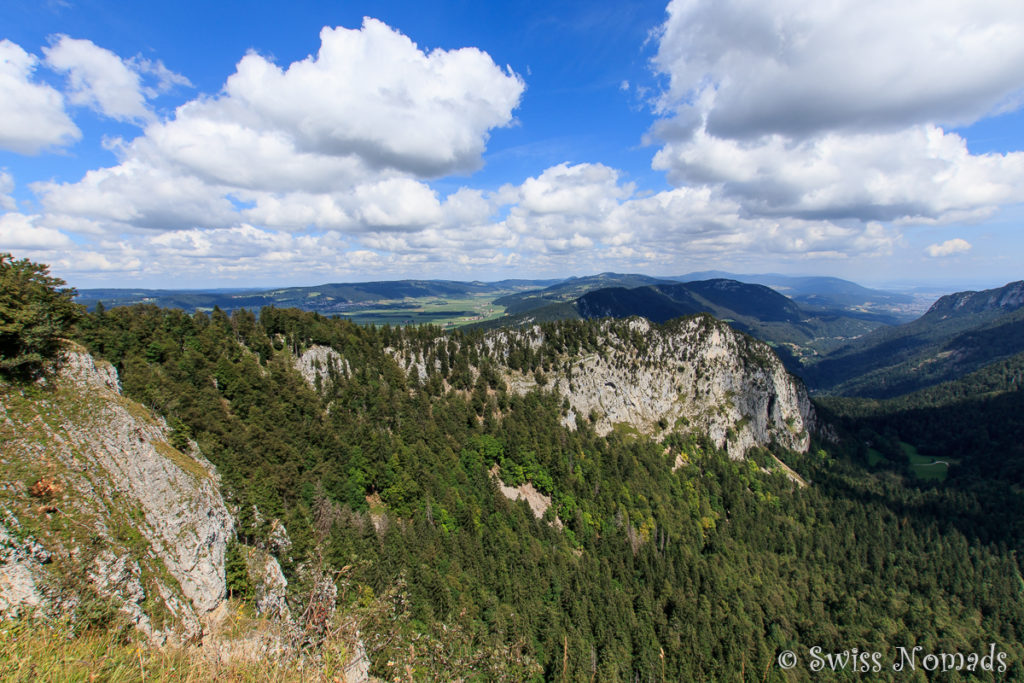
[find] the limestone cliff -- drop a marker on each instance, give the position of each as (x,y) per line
(694,374)
(318,363)
(96,504)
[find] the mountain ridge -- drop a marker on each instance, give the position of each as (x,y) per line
(696,372)
(960,333)
(1009,297)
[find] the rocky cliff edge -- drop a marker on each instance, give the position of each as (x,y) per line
(693,374)
(99,511)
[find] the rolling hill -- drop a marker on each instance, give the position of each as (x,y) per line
(959,334)
(820,292)
(570,290)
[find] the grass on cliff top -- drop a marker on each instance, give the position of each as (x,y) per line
(30,652)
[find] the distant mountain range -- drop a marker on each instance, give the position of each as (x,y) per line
(571,289)
(824,292)
(843,339)
(515,295)
(812,293)
(327,298)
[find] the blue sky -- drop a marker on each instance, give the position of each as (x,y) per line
(248,144)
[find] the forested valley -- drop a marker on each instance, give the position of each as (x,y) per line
(656,561)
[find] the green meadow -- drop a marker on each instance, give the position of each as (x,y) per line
(445,312)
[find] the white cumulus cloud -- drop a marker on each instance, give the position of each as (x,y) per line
(342,139)
(565,207)
(948,248)
(587,209)
(139,195)
(90,262)
(841,110)
(372,93)
(32,116)
(920,172)
(21,231)
(321,162)
(99,79)
(792,67)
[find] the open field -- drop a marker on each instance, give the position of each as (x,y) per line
(924,467)
(921,466)
(446,312)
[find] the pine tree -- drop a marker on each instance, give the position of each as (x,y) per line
(34,314)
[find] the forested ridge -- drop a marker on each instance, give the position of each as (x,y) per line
(704,572)
(960,334)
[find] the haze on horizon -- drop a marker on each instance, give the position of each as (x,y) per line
(190,146)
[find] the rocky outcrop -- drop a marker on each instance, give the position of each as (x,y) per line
(278,541)
(269,583)
(537,501)
(357,670)
(21,560)
(143,521)
(317,363)
(692,374)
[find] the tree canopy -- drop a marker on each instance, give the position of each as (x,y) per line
(35,311)
(382,464)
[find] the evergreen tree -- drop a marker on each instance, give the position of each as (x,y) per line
(36,310)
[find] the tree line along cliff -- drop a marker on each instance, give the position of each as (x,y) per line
(378,451)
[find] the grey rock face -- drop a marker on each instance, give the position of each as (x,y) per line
(270,585)
(21,561)
(318,362)
(357,670)
(698,374)
(19,589)
(278,541)
(185,518)
(157,513)
(82,369)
